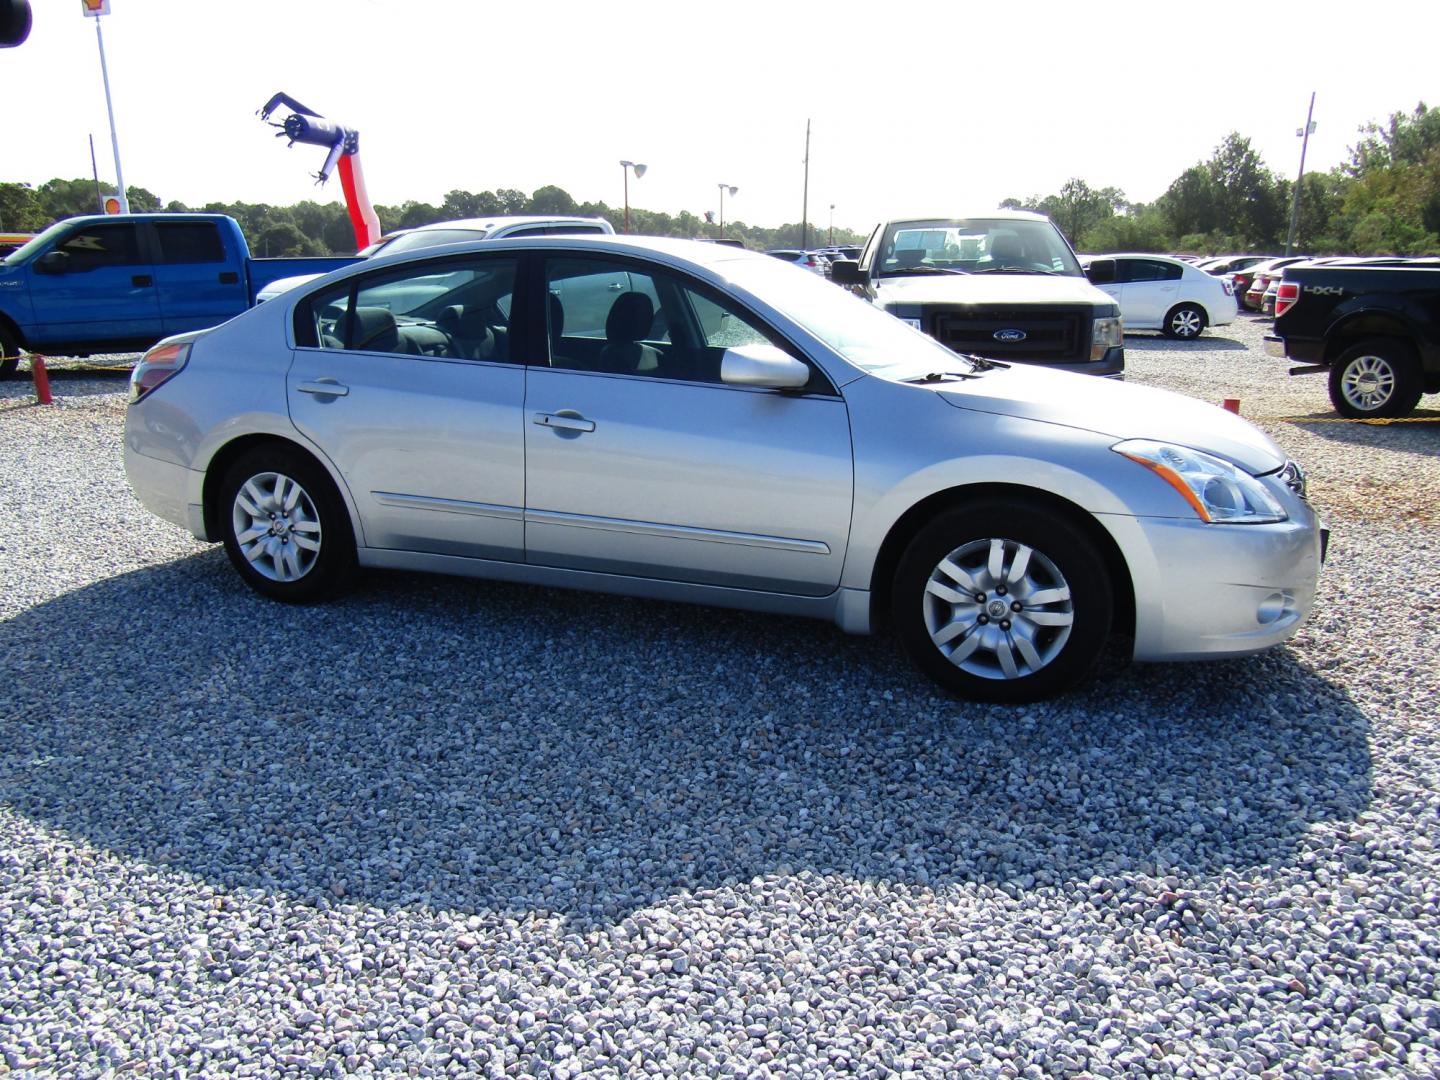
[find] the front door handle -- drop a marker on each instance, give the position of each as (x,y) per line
(142,280)
(323,388)
(563,421)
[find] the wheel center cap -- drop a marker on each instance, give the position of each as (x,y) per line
(997,609)
(1367,383)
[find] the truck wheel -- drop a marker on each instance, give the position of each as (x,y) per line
(1185,322)
(1379,379)
(9,353)
(1002,601)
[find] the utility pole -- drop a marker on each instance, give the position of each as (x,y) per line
(805,201)
(1295,199)
(95,172)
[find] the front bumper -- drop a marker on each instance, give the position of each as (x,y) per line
(1207,591)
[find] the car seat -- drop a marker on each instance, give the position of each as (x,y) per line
(627,324)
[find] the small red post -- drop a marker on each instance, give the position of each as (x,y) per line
(41,378)
(1232,404)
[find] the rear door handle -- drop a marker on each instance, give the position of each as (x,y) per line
(563,422)
(323,388)
(142,279)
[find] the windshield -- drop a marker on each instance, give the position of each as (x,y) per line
(974,246)
(24,252)
(871,339)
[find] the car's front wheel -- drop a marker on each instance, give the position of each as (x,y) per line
(1185,322)
(1002,601)
(285,527)
(1376,379)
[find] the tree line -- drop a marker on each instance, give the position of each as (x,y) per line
(315,228)
(1383,200)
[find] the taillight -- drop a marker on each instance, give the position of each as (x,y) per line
(1229,287)
(157,366)
(1286,295)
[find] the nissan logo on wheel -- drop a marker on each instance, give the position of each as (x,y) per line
(1009,335)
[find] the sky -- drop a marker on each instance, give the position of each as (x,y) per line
(914,107)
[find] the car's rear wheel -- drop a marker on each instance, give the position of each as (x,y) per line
(285,527)
(1002,601)
(9,353)
(1376,379)
(1185,321)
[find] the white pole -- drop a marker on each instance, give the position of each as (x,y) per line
(110,108)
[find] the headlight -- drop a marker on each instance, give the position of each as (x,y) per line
(1215,489)
(1106,334)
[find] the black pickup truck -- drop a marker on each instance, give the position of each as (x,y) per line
(1375,328)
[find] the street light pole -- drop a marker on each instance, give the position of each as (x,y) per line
(110,108)
(805,201)
(832,224)
(733,189)
(1295,199)
(625,167)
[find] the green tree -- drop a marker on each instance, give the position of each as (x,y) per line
(21,209)
(283,238)
(551,200)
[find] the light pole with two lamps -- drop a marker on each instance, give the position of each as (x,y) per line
(625,167)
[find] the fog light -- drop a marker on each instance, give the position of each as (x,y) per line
(1274,608)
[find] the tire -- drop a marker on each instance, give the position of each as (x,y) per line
(1045,616)
(9,353)
(1185,322)
(285,527)
(1376,379)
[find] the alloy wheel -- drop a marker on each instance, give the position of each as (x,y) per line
(998,609)
(276,526)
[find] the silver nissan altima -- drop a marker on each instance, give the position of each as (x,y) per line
(693,422)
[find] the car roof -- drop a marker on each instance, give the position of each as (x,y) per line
(690,250)
(1001,215)
(487,223)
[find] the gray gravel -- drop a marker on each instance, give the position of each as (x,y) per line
(449,828)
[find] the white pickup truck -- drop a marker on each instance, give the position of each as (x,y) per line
(1004,284)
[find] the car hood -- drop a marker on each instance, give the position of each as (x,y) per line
(1117,409)
(988,289)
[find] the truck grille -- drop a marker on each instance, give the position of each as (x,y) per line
(1051,336)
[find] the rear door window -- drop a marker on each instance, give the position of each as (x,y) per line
(189,242)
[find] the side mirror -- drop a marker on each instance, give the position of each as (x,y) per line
(762,365)
(53,262)
(846,272)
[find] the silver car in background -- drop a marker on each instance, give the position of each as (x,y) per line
(692,422)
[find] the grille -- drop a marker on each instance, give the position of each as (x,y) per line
(1056,336)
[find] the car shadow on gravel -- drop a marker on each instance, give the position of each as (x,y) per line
(1418,433)
(432,742)
(1206,342)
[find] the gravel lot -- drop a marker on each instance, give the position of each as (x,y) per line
(446,827)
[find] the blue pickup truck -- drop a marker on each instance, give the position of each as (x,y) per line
(121,282)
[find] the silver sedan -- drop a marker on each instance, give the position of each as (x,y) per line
(693,422)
